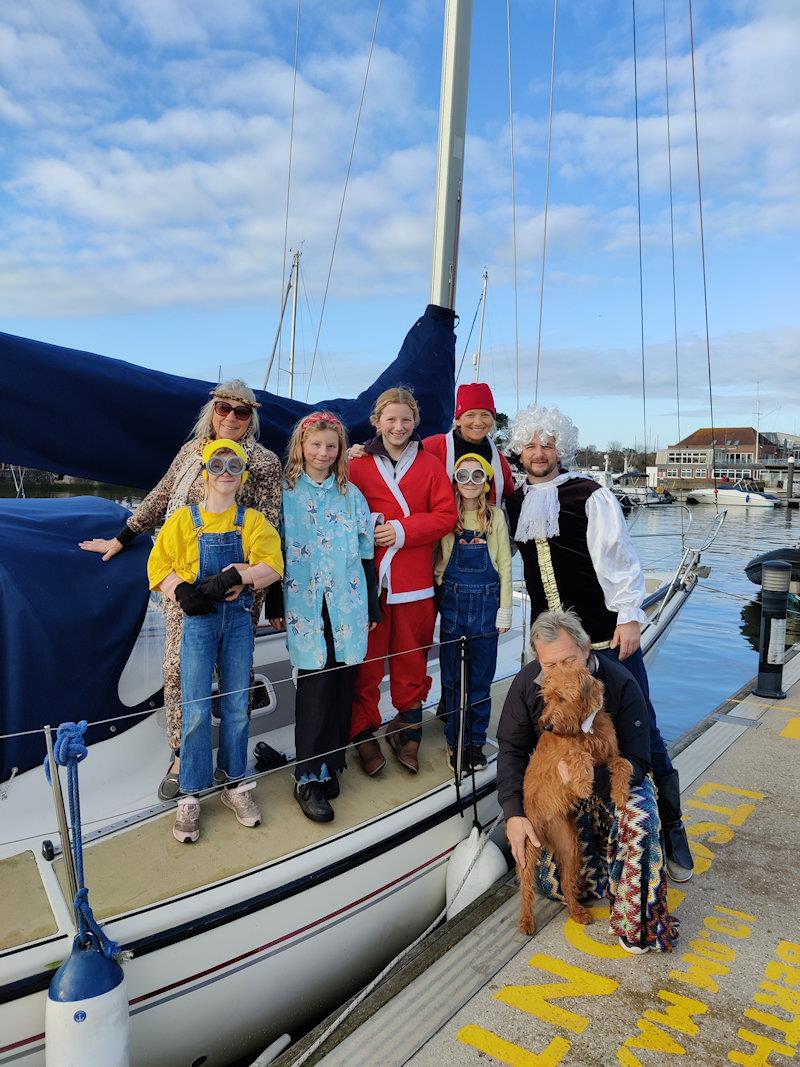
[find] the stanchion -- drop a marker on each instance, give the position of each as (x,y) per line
(775,578)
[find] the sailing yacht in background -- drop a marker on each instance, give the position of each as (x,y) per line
(284,922)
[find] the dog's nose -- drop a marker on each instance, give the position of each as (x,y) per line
(547,726)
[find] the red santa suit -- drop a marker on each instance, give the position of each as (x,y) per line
(443,446)
(415,496)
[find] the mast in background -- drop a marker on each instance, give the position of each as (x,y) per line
(476,359)
(450,162)
(296,272)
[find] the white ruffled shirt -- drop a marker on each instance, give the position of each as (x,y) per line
(608,539)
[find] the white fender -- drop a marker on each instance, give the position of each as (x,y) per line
(489,866)
(86,1019)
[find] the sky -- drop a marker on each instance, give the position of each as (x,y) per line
(144,149)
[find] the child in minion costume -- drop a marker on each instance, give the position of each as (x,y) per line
(209,558)
(473,569)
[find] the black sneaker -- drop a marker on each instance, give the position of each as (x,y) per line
(474,757)
(451,760)
(311,798)
(331,787)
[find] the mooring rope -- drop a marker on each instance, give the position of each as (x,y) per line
(69,749)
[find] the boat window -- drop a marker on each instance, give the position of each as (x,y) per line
(142,676)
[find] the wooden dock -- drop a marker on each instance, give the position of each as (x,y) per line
(479,992)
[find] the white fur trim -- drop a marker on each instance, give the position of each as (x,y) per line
(449,453)
(387,472)
(410,596)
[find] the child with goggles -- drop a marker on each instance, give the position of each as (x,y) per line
(209,559)
(473,568)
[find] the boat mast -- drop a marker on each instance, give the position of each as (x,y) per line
(450,162)
(296,275)
(477,358)
(280,328)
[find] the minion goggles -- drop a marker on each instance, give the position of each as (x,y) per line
(236,465)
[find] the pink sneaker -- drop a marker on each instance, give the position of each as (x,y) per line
(187,821)
(242,804)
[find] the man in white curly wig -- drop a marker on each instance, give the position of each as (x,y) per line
(577,553)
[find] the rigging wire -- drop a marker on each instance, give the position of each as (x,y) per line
(703,256)
(513,195)
(288,186)
(672,239)
(344,191)
(469,338)
(639,221)
(546,200)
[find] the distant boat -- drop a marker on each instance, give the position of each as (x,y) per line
(742,494)
(783,555)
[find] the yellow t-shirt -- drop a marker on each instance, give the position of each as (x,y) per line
(176,548)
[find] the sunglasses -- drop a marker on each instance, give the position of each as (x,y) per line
(241,411)
(234,465)
(465,477)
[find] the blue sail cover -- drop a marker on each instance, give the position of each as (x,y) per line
(92,417)
(68,621)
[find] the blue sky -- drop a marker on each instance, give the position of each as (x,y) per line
(142,192)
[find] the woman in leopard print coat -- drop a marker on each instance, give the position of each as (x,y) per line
(223,416)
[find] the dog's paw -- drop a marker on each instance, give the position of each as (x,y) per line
(581,915)
(528,926)
(620,797)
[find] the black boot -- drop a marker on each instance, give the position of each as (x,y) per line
(312,800)
(331,787)
(679,858)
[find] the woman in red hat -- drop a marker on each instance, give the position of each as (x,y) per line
(474,421)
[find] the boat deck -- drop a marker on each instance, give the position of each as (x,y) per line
(145,865)
(27,915)
(729,993)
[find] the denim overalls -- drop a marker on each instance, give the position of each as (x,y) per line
(470,599)
(226,637)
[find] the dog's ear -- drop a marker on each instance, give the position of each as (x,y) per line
(591,691)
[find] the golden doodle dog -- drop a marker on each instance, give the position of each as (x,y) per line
(575,735)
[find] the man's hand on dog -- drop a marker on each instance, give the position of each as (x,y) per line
(518,832)
(627,637)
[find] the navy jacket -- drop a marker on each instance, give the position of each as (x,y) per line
(518,731)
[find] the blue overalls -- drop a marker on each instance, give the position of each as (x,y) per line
(468,608)
(225,637)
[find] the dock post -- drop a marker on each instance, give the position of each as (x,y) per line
(789,479)
(775,578)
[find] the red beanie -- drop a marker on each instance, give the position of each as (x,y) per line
(477,396)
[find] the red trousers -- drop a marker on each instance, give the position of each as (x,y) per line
(402,627)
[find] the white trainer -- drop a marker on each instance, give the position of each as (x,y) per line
(242,804)
(187,820)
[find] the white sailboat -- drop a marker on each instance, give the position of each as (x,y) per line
(742,494)
(250,934)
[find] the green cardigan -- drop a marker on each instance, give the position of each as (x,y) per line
(499,545)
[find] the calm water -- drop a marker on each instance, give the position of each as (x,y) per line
(712,648)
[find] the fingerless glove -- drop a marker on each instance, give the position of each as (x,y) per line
(192,600)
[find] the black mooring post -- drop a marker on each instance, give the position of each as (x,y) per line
(775,578)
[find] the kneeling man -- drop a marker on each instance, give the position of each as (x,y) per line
(623,849)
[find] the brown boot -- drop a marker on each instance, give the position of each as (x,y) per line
(370,754)
(406,750)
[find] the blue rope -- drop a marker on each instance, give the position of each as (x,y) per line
(68,751)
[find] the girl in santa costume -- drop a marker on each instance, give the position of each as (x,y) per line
(473,568)
(474,422)
(411,500)
(329,600)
